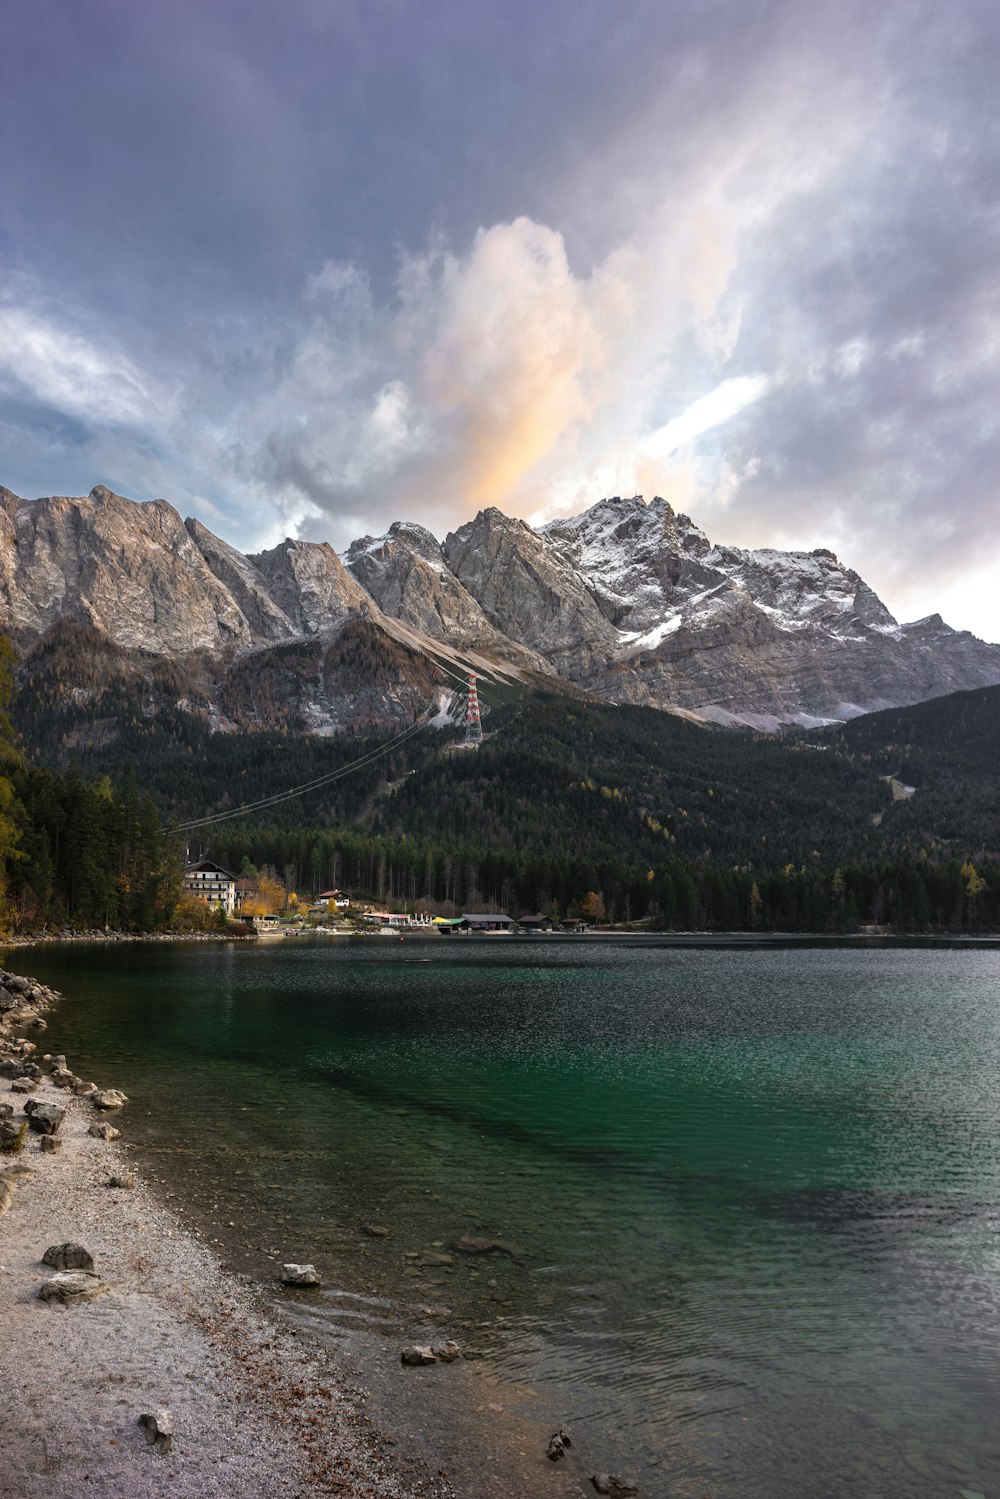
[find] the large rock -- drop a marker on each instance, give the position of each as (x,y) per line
(159,1428)
(68,1256)
(72,1286)
(300,1275)
(417,1355)
(11,1135)
(109,1098)
(44,1118)
(104,1132)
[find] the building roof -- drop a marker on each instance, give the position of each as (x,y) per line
(486,916)
(205,866)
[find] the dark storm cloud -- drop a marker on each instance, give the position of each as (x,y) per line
(308,267)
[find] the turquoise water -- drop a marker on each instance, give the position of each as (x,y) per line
(749,1193)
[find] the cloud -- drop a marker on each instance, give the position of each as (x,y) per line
(60,369)
(323,289)
(491,377)
(719,405)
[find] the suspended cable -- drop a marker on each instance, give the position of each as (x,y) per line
(313,785)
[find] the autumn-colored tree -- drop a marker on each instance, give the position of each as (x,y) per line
(592,906)
(756,905)
(267,900)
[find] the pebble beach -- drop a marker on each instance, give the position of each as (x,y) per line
(159,1329)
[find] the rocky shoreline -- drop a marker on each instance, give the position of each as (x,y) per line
(102,934)
(132,1363)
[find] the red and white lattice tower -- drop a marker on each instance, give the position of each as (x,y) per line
(473,727)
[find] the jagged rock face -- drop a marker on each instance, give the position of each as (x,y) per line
(360,679)
(406,574)
(237,573)
(131,570)
(628,601)
(759,636)
(650,569)
(309,583)
(530,592)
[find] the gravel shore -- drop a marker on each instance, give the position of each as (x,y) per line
(253,1412)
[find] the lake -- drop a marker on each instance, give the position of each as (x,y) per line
(747,1193)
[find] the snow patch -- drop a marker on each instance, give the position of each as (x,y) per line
(652,638)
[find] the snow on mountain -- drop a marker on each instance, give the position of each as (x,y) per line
(629,601)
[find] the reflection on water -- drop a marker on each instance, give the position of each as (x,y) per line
(747,1197)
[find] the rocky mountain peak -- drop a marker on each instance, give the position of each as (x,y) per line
(530,591)
(310,584)
(405,572)
(129,569)
(629,601)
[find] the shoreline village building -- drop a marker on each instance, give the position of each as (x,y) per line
(212,884)
(335,898)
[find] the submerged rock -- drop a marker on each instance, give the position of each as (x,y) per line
(474,1244)
(611,1484)
(447,1352)
(417,1355)
(300,1275)
(433,1258)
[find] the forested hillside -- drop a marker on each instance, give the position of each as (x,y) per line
(651,814)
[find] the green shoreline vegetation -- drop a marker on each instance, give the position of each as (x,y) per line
(618,815)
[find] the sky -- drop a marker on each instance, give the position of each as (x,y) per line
(309,268)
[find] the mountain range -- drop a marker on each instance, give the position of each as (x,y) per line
(627,603)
